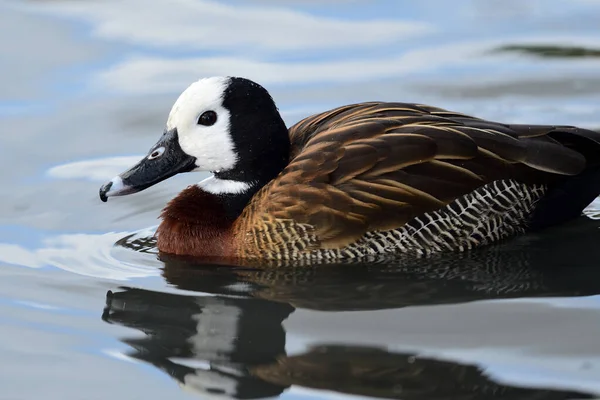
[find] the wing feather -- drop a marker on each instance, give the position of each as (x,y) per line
(374,166)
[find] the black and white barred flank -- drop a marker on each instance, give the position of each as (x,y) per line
(493,212)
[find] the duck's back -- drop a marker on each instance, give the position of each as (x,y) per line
(375,178)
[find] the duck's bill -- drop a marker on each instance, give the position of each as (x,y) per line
(165,159)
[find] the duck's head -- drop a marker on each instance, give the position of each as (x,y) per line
(226,125)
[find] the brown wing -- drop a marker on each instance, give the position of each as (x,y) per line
(375,166)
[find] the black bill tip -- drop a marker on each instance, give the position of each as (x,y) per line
(104,190)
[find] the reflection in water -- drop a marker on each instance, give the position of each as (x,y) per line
(379,373)
(230,341)
(235,347)
(550,50)
(230,336)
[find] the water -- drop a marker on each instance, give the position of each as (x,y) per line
(87,311)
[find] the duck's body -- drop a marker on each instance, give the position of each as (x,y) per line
(359,180)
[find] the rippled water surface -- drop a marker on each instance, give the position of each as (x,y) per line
(88,311)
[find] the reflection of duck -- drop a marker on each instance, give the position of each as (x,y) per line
(364,179)
(235,347)
(376,372)
(228,335)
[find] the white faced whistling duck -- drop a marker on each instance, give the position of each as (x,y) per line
(363,179)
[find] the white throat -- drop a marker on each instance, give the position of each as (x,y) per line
(223,186)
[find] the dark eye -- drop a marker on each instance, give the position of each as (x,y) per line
(207,118)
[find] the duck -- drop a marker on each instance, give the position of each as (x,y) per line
(361,180)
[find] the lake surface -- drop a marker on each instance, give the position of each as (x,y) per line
(88,311)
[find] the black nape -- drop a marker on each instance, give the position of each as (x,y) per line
(260,137)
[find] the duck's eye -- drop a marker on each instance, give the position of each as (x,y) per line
(207,118)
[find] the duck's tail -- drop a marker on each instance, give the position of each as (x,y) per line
(567,197)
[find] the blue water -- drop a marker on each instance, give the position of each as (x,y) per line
(88,311)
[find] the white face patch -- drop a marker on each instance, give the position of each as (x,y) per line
(222,186)
(211,145)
